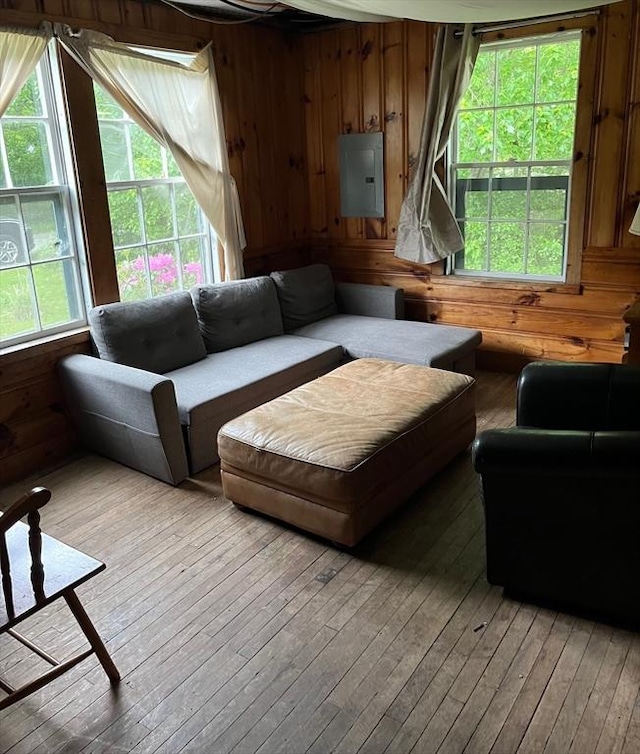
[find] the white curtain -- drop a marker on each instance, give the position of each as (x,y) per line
(442,11)
(178,105)
(427,229)
(20,51)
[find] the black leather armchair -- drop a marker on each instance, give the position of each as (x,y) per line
(561,490)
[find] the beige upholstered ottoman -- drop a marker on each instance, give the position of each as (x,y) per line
(337,455)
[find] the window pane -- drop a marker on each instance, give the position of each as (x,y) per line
(516,76)
(13,241)
(107,107)
(475,246)
(55,290)
(125,217)
(548,204)
(187,211)
(28,100)
(554,132)
(507,247)
(558,67)
(546,249)
(132,274)
(163,268)
(506,204)
(17,310)
(115,154)
(158,219)
(28,153)
(172,167)
(147,154)
(481,91)
(475,136)
(46,228)
(514,134)
(191,252)
(476,205)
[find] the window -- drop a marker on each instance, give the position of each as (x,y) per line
(39,274)
(512,156)
(162,239)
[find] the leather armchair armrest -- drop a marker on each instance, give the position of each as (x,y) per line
(535,452)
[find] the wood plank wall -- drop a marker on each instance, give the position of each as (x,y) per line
(264,124)
(372,78)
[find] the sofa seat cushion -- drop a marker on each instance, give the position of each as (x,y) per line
(158,334)
(226,384)
(238,312)
(306,295)
(438,346)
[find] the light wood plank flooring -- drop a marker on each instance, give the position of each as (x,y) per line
(235,634)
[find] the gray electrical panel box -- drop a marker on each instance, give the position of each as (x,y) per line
(361,175)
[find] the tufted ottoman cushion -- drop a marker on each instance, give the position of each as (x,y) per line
(337,455)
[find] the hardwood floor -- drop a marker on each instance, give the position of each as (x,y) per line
(235,634)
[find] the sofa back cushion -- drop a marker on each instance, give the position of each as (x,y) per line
(158,334)
(306,295)
(235,313)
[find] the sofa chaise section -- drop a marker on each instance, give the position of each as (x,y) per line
(313,307)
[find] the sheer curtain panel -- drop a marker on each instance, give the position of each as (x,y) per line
(20,51)
(178,105)
(427,229)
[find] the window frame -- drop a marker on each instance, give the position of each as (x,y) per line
(64,188)
(576,215)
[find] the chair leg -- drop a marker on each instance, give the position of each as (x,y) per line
(92,636)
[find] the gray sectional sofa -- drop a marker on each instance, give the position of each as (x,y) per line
(172,370)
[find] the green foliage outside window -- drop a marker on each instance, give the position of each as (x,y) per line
(512,157)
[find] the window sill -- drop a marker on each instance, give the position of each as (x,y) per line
(46,344)
(538,286)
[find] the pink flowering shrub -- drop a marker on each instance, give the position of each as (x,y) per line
(163,272)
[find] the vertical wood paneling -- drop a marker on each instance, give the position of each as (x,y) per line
(330,119)
(313,130)
(295,173)
(249,149)
(582,150)
(226,55)
(609,128)
(350,103)
(395,124)
(371,66)
(419,50)
(632,194)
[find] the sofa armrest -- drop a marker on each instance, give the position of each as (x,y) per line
(370,300)
(579,396)
(127,414)
(528,452)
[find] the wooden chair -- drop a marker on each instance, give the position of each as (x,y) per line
(37,570)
